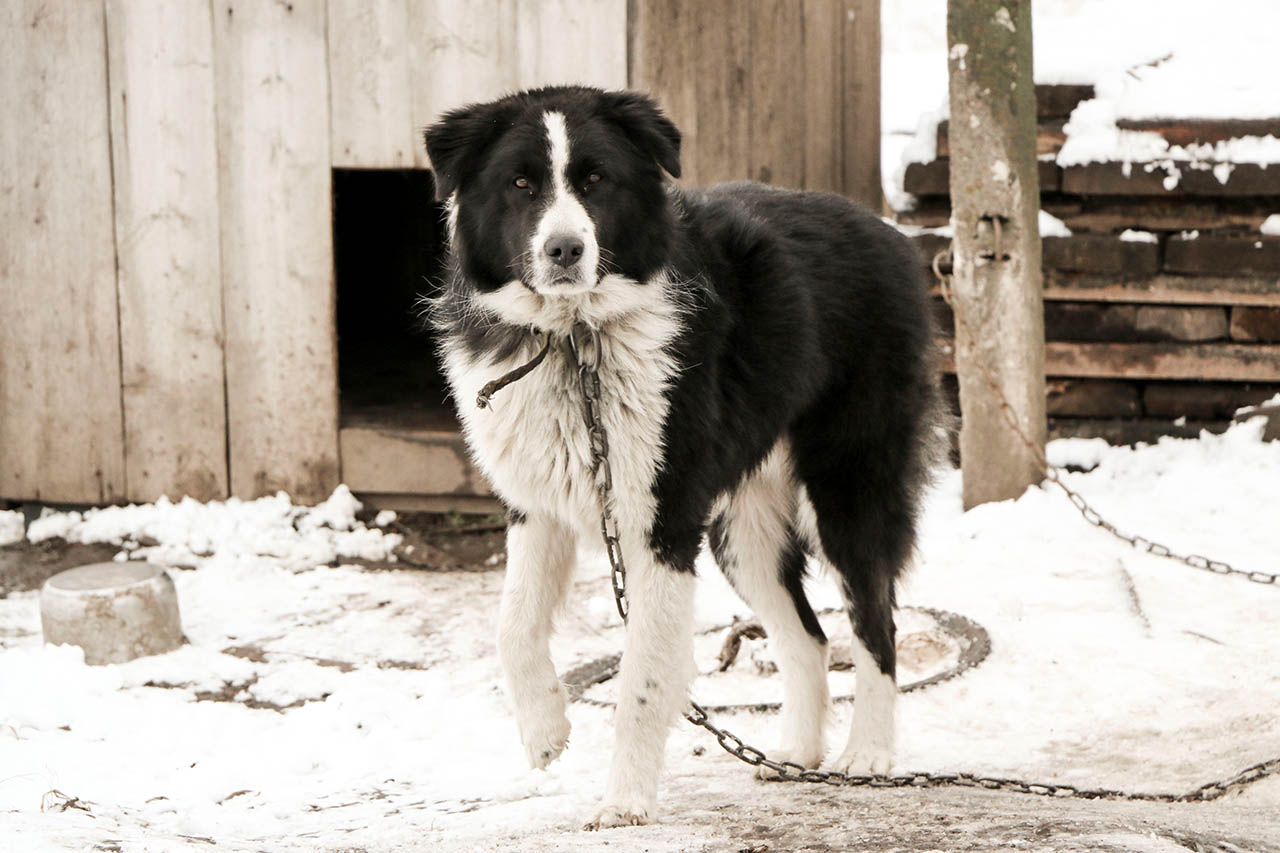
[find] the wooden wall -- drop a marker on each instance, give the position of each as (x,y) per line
(167,308)
(750,82)
(166,271)
(395,65)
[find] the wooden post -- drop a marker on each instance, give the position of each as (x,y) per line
(995,198)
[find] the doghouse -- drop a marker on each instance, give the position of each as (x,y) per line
(218,218)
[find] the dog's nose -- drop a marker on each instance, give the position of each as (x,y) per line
(564,249)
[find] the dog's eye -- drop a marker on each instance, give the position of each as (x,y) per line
(522,182)
(594,178)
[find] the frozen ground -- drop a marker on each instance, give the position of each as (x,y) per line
(347,709)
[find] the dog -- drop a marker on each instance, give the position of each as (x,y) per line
(766,384)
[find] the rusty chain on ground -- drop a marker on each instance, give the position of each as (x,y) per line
(585,347)
(1053,473)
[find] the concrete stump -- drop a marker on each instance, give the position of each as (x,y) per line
(114,611)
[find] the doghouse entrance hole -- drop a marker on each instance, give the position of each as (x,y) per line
(388,254)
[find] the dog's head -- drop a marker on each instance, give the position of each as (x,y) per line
(556,188)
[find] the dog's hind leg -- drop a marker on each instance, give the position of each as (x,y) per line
(657,666)
(540,559)
(759,551)
(858,501)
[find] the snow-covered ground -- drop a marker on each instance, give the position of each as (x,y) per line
(1146,60)
(362,710)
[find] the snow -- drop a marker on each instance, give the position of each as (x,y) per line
(1178,62)
(1052,226)
(1129,235)
(183,533)
(367,710)
(12,527)
(1271,225)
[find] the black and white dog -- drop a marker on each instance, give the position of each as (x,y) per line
(766,382)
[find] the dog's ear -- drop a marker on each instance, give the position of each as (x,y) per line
(645,124)
(459,139)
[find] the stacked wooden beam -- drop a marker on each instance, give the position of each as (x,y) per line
(1164,332)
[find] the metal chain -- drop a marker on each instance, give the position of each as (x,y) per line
(586,349)
(1054,474)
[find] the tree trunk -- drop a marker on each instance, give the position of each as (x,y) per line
(995,198)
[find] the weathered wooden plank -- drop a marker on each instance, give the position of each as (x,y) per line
(1103,321)
(165,161)
(1215,361)
(1089,321)
(1170,289)
(1224,361)
(777,78)
(861,141)
(1209,254)
(371,94)
(1162,288)
(1092,398)
(388,459)
(417,502)
(1180,323)
(1250,323)
(571,41)
(1110,179)
(1108,215)
(1203,400)
(1200,131)
(61,436)
(1101,253)
(277,250)
(460,51)
(1132,430)
(822,22)
(934,178)
(662,45)
(715,37)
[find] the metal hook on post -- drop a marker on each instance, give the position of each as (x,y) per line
(996,222)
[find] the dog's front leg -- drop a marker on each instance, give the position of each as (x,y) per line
(540,556)
(657,665)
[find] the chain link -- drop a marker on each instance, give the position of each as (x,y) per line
(1054,474)
(586,348)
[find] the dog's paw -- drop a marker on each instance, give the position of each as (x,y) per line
(613,814)
(544,739)
(864,761)
(807,759)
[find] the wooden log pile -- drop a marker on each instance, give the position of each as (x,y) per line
(1165,332)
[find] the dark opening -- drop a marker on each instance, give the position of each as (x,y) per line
(389,246)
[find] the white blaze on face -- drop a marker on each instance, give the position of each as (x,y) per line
(564,216)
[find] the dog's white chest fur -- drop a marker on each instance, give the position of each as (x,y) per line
(532,441)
